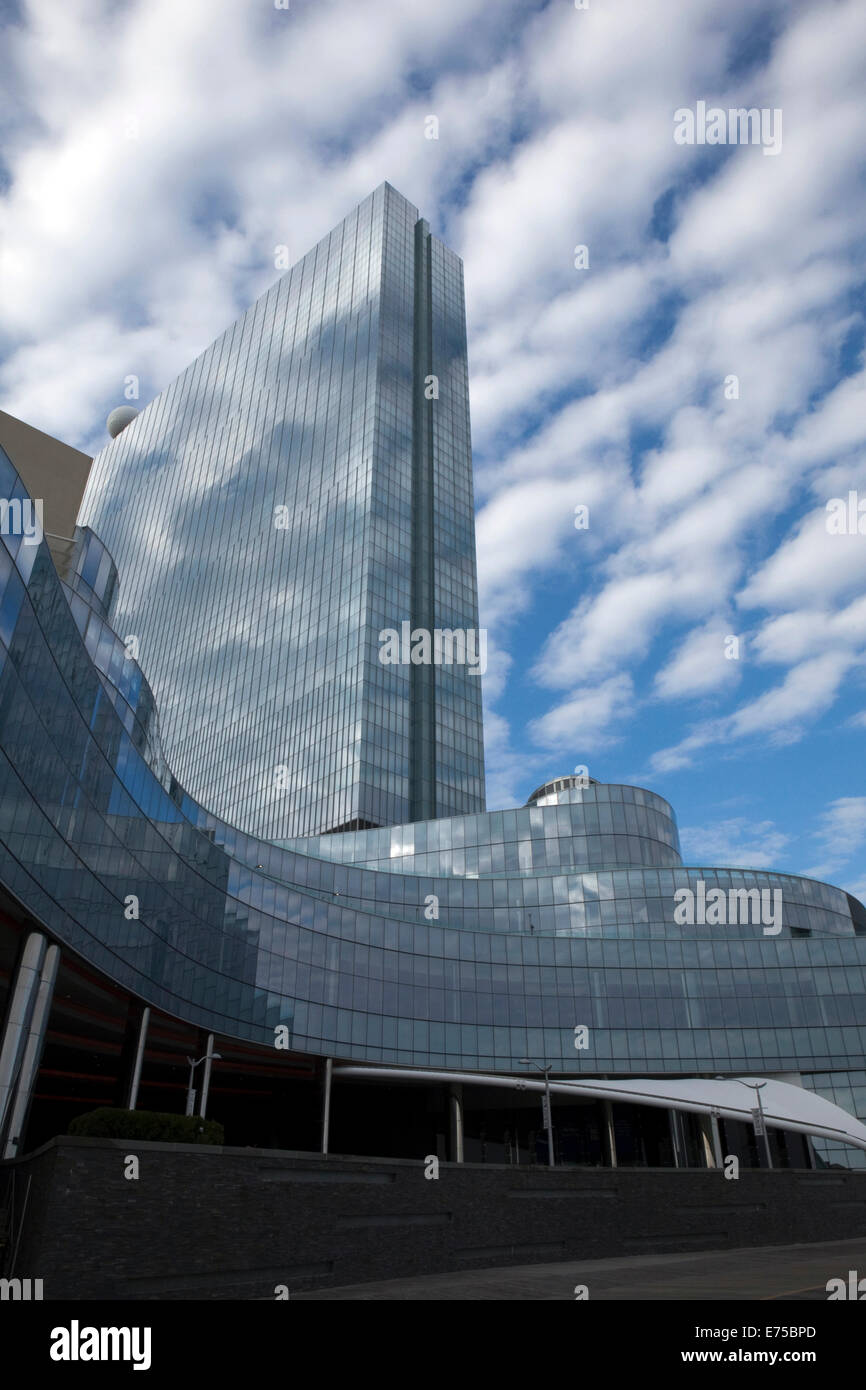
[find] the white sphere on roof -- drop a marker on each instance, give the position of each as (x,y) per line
(119,418)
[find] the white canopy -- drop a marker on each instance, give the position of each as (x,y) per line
(785,1106)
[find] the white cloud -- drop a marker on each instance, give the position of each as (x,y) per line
(258,127)
(779,714)
(586,720)
(811,564)
(508,771)
(807,690)
(841,833)
(700,665)
(735,842)
(600,634)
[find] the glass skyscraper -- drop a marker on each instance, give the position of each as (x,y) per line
(303,486)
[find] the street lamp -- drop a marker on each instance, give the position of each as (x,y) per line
(190,1094)
(545,1071)
(757,1087)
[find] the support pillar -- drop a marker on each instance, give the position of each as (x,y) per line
(672,1121)
(717,1141)
(455,1103)
(32,1051)
(135,1079)
(205,1081)
(18,1016)
(710,1142)
(608,1134)
(326,1104)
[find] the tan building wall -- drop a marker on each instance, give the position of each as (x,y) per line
(50,470)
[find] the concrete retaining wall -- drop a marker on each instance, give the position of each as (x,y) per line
(234,1223)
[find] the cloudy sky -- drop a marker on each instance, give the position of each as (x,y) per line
(698,384)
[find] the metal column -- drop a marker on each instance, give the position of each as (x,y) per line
(455,1103)
(710,1140)
(717,1140)
(205,1081)
(608,1134)
(32,1050)
(326,1104)
(135,1080)
(672,1119)
(18,1017)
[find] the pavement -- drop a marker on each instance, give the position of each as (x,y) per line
(779,1273)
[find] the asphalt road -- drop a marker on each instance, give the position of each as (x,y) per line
(780,1273)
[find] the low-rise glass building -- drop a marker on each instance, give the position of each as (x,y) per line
(465,944)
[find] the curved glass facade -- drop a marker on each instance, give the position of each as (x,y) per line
(602,826)
(237,935)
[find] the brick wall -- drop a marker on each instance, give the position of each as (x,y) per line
(233,1223)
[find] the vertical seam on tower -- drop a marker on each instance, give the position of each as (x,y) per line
(422,771)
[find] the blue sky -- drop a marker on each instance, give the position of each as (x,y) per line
(154,154)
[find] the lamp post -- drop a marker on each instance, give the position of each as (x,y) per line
(190,1094)
(545,1071)
(757,1087)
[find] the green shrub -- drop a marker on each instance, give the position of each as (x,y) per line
(147,1124)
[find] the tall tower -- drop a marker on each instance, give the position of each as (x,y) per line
(304,485)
